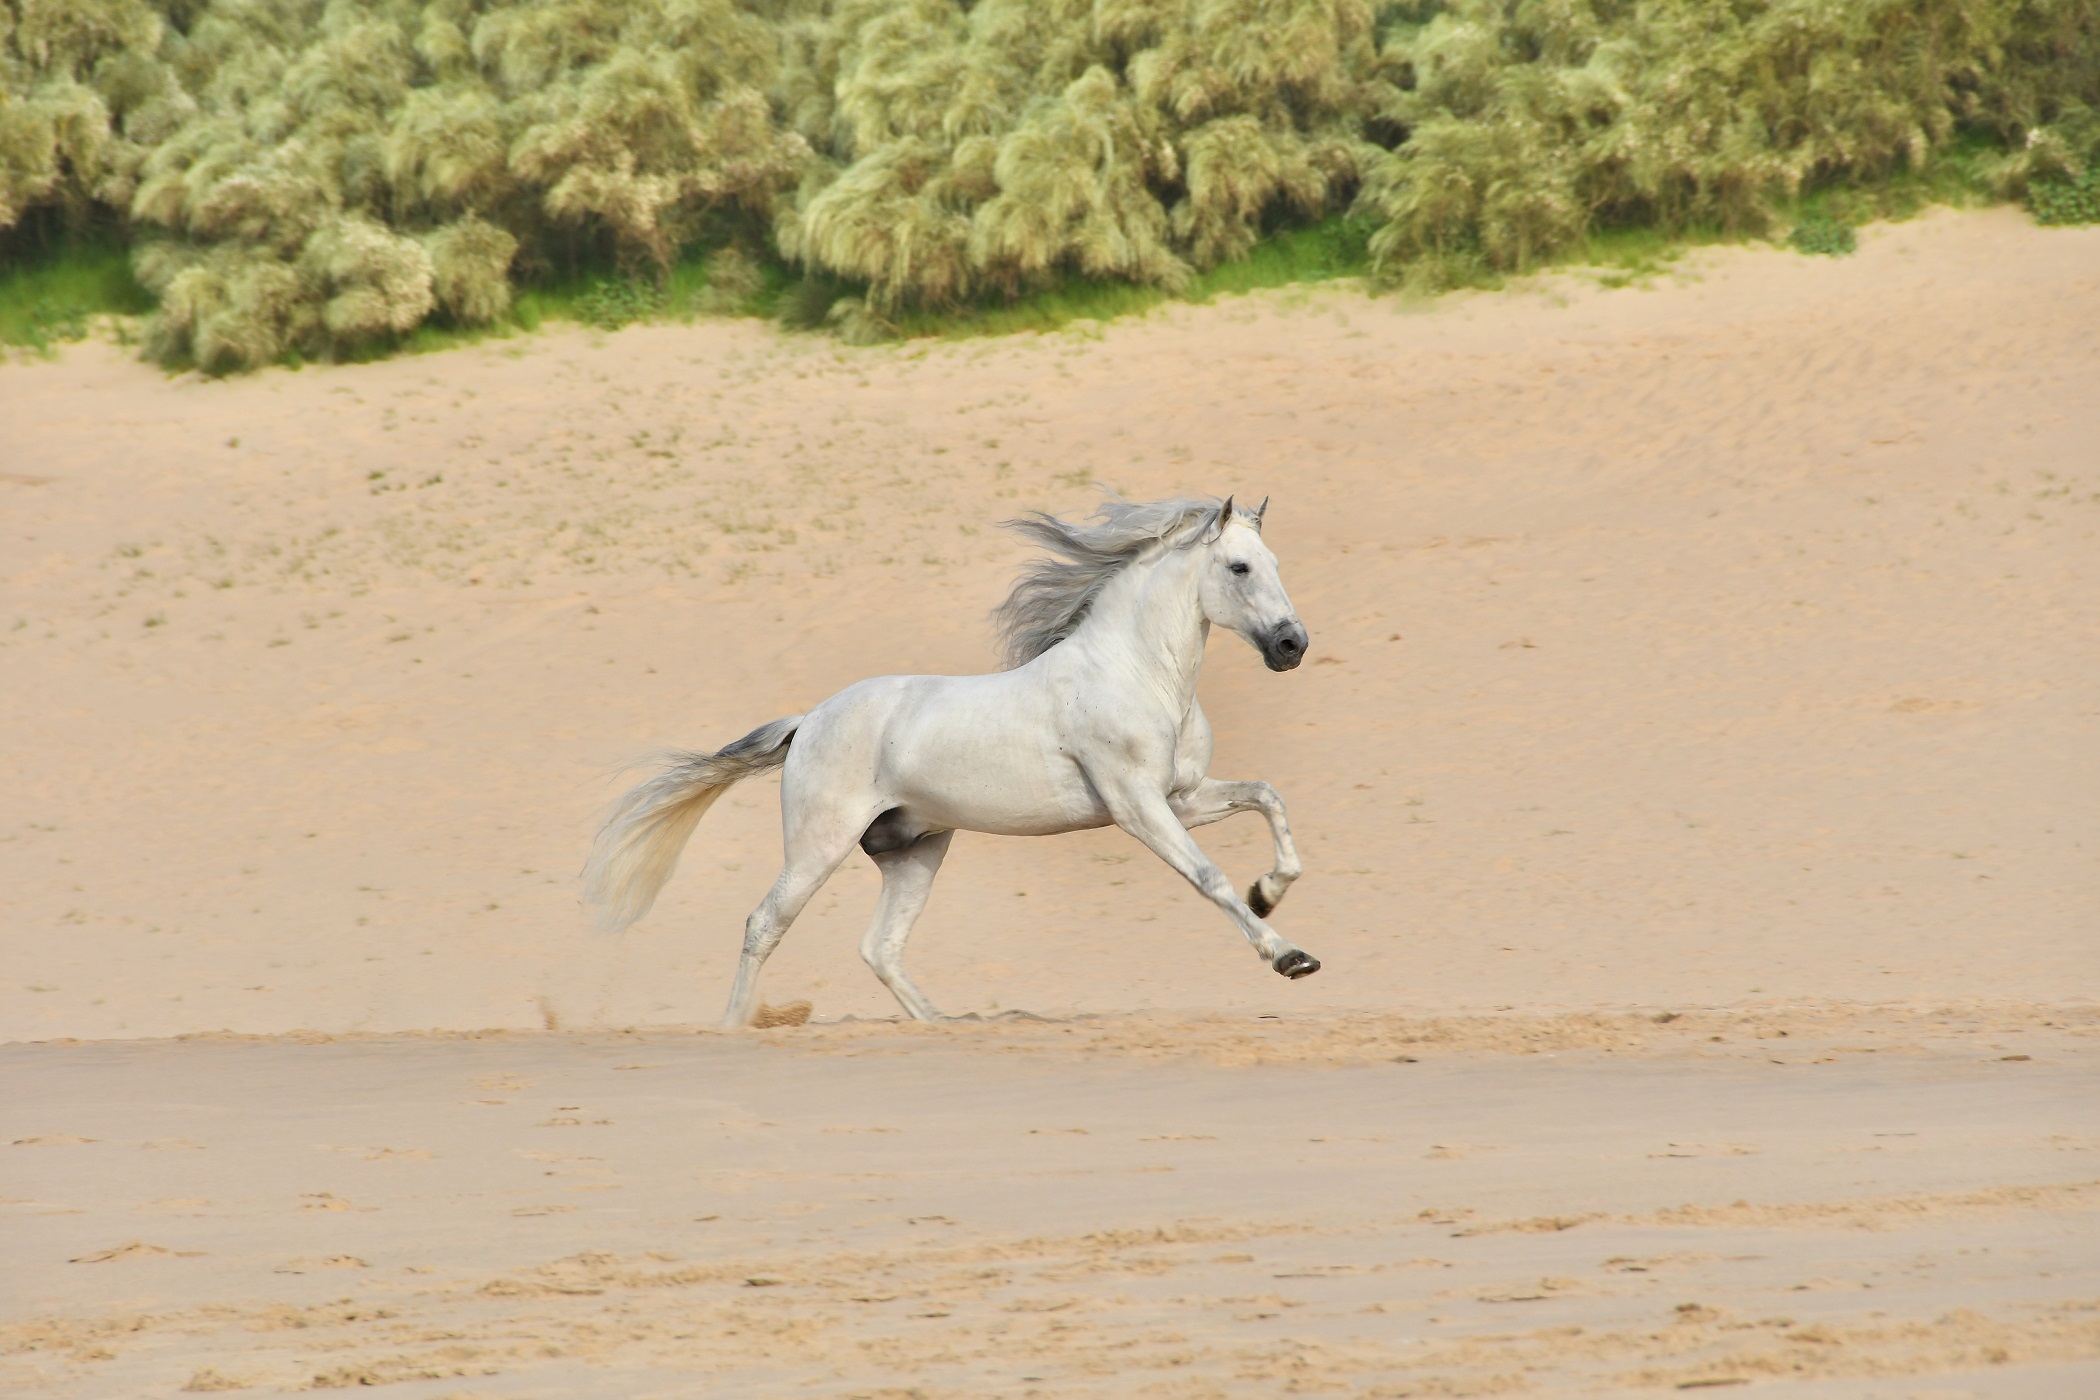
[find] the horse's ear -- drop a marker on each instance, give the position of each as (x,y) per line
(1224,515)
(1260,511)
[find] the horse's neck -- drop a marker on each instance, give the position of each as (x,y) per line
(1148,624)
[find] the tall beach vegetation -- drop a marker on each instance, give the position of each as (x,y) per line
(315,176)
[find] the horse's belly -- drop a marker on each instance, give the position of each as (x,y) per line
(1008,808)
(1036,824)
(979,753)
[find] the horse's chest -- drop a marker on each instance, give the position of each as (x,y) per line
(1192,751)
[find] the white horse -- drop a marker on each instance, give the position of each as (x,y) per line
(1094,721)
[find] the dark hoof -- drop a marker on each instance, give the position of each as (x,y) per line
(1257,901)
(1297,963)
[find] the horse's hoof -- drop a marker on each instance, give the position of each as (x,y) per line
(1297,963)
(1258,902)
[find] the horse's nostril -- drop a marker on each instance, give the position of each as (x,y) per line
(1287,644)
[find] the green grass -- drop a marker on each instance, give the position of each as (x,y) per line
(1331,250)
(1052,309)
(47,300)
(1822,236)
(1337,248)
(2059,202)
(608,299)
(1628,257)
(602,298)
(1322,252)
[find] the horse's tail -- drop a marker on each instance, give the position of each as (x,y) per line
(637,847)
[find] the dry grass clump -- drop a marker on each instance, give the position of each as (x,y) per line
(1530,124)
(312,176)
(997,149)
(308,177)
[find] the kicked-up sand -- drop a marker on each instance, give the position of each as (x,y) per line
(1696,772)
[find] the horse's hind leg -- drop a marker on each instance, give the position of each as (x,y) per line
(811,857)
(1212,801)
(907,879)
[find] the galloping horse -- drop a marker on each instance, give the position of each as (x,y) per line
(1093,721)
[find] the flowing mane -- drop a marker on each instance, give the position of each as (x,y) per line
(1052,596)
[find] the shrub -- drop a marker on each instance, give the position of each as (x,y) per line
(1822,235)
(1002,148)
(313,176)
(2066,201)
(470,268)
(611,305)
(1530,124)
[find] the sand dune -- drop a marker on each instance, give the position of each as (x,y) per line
(1696,776)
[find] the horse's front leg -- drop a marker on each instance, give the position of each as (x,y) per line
(1211,801)
(1152,819)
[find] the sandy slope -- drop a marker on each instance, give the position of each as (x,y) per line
(1721,645)
(1743,649)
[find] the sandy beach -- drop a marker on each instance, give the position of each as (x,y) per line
(1697,773)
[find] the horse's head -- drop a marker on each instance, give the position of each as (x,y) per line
(1243,592)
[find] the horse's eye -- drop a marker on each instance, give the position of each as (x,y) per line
(1239,568)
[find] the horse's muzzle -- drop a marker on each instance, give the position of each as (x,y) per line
(1285,645)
